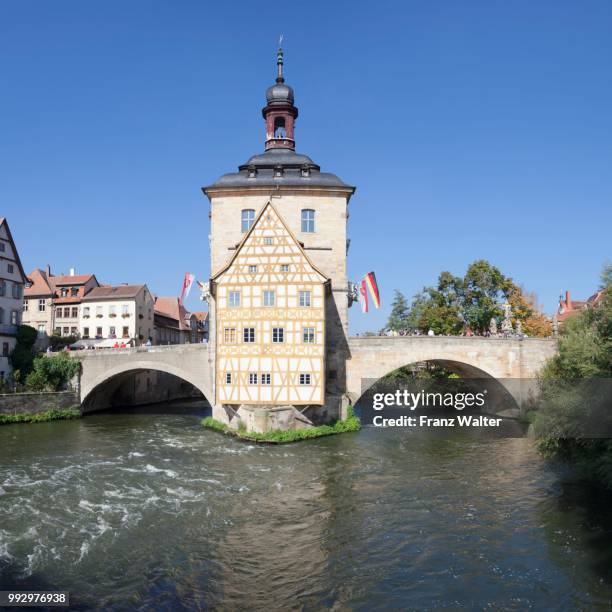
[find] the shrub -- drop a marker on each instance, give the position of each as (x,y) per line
(22,356)
(52,372)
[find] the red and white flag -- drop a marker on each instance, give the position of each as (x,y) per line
(187,282)
(364,296)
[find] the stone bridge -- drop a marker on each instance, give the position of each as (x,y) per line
(512,361)
(515,363)
(104,371)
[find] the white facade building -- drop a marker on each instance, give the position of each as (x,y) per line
(12,281)
(124,313)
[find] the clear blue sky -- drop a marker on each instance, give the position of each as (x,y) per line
(476,129)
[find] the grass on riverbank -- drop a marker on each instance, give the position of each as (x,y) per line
(40,417)
(351,423)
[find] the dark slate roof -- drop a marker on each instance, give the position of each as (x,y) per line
(292,164)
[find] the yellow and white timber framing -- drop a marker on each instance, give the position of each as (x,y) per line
(270,284)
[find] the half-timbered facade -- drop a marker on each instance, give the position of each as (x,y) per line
(270,320)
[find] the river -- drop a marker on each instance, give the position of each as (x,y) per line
(144,509)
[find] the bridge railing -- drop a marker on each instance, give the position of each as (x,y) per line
(160,348)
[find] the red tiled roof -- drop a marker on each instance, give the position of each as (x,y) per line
(39,284)
(110,293)
(170,308)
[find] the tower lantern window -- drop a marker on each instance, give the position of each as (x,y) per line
(279,128)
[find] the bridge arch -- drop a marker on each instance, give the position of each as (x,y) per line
(501,393)
(113,377)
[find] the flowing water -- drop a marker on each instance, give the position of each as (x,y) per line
(146,510)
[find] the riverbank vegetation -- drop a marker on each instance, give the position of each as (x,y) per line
(575,400)
(458,303)
(32,372)
(351,423)
(40,417)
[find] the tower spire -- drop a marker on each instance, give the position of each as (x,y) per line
(279,61)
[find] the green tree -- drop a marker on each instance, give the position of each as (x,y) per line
(22,356)
(52,373)
(399,312)
(584,352)
(472,301)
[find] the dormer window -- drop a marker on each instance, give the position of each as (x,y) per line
(305,170)
(278,172)
(252,171)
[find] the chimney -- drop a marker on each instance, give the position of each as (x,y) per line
(568,300)
(48,270)
(71,271)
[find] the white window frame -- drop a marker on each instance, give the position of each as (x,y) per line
(305,299)
(278,335)
(308,335)
(269,298)
(308,221)
(248,335)
(247,218)
(252,378)
(266,379)
(233,299)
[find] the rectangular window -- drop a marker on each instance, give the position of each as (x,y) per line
(266,378)
(248,334)
(252,378)
(99,312)
(252,269)
(17,291)
(58,331)
(112,310)
(14,317)
(304,379)
(25,305)
(98,332)
(74,291)
(5,349)
(126,332)
(86,311)
(268,240)
(234,299)
(111,332)
(304,299)
(58,313)
(308,335)
(2,247)
(125,310)
(228,378)
(75,312)
(73,331)
(41,329)
(229,335)
(278,334)
(86,332)
(2,287)
(10,268)
(308,220)
(284,268)
(66,313)
(65,331)
(42,305)
(246,219)
(268,298)
(64,292)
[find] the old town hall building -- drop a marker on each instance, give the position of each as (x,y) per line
(279,287)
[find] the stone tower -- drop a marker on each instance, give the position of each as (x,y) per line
(314,207)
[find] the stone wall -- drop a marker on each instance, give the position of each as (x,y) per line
(20,403)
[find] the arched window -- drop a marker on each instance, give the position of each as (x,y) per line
(279,128)
(248,216)
(308,220)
